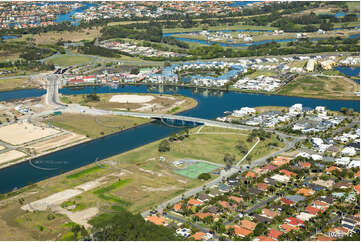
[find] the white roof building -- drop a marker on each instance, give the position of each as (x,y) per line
(350,151)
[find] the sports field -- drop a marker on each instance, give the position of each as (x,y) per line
(194,169)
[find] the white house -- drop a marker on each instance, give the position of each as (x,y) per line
(295,109)
(350,151)
(243,111)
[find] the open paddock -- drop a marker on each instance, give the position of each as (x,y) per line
(21,133)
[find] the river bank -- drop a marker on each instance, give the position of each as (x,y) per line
(81,124)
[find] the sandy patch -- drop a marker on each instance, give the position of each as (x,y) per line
(52,200)
(130,99)
(11,155)
(57,142)
(80,217)
(2,147)
(159,189)
(20,133)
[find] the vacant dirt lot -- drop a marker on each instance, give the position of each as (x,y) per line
(20,133)
(10,155)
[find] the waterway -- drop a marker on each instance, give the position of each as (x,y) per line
(350,71)
(211,104)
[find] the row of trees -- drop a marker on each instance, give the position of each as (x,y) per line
(123,225)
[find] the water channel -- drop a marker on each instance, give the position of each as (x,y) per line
(211,104)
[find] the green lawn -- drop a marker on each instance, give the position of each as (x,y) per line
(195,169)
(326,87)
(234,27)
(94,126)
(353,6)
(67,60)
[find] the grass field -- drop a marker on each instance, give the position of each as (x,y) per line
(67,60)
(94,126)
(353,6)
(54,36)
(326,87)
(234,27)
(137,180)
(195,169)
(15,83)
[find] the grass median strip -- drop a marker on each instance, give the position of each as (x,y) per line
(86,171)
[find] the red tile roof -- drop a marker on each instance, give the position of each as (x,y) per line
(236,199)
(264,238)
(312,210)
(224,204)
(248,224)
(288,173)
(294,221)
(177,207)
(287,202)
(194,202)
(198,236)
(242,232)
(274,233)
(157,220)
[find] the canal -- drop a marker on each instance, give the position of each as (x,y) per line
(211,104)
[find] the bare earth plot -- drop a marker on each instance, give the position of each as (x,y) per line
(11,155)
(58,141)
(20,133)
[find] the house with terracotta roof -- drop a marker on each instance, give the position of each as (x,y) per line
(333,168)
(264,238)
(280,160)
(262,186)
(313,210)
(269,213)
(288,173)
(201,236)
(287,201)
(320,204)
(236,199)
(224,204)
(304,164)
(274,234)
(357,174)
(157,220)
(250,174)
(305,192)
(240,231)
(194,202)
(177,207)
(356,188)
(285,228)
(248,224)
(204,215)
(294,221)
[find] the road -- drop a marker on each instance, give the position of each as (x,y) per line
(254,208)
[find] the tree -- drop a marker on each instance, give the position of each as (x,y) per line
(260,229)
(134,71)
(124,225)
(229,160)
(240,146)
(204,176)
(164,146)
